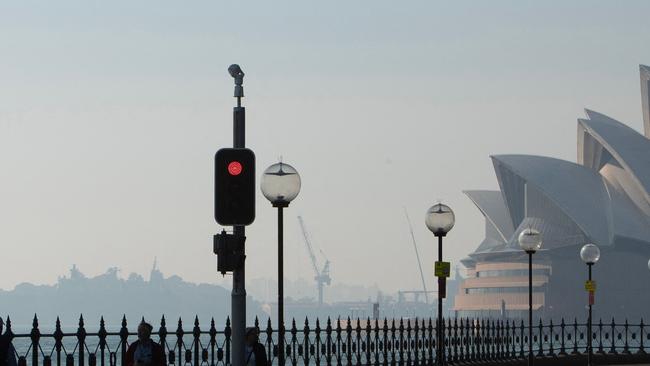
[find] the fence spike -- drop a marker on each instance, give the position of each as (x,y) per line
(505,333)
(600,337)
(124,334)
(641,336)
(81,337)
(455,340)
(213,329)
(196,331)
(626,348)
(473,336)
(269,330)
(613,341)
(462,340)
(551,351)
(162,331)
(227,332)
(562,348)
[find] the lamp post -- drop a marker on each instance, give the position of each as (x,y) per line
(440,220)
(280,185)
(530,240)
(590,254)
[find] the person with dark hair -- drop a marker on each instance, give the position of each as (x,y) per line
(144,351)
(255,353)
(7,352)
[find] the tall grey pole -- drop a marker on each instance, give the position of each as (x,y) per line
(591,350)
(280,287)
(530,308)
(441,332)
(238,294)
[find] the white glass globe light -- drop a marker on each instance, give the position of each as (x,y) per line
(590,253)
(440,219)
(280,184)
(530,240)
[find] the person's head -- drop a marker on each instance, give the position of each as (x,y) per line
(252,336)
(144,331)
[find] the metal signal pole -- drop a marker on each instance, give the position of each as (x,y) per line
(238,294)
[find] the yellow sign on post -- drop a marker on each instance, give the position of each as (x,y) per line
(590,286)
(442,269)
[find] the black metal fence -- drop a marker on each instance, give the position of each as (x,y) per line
(338,342)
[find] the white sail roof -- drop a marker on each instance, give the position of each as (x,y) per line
(536,186)
(601,139)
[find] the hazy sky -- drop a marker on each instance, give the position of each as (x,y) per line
(111,112)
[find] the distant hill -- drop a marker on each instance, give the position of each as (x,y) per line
(112,297)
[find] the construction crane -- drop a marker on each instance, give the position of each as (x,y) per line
(322,276)
(417,255)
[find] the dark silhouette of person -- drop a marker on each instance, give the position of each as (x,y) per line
(255,353)
(7,352)
(144,351)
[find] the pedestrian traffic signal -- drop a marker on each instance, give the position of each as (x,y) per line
(234,193)
(228,248)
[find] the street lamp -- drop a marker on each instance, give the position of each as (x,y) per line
(530,240)
(440,220)
(280,185)
(590,254)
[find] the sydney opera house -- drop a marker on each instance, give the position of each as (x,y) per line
(603,198)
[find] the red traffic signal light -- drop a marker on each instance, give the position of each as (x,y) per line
(234,193)
(234,168)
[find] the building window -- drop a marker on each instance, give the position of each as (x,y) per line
(513,272)
(500,290)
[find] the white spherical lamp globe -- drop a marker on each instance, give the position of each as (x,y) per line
(280,184)
(590,253)
(530,240)
(440,219)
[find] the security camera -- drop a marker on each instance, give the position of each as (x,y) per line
(235,71)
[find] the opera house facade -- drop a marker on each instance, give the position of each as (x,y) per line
(603,199)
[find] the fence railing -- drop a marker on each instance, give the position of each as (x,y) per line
(336,342)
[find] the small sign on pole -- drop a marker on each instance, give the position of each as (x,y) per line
(590,285)
(442,269)
(591,297)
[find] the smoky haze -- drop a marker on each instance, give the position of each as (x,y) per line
(110,115)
